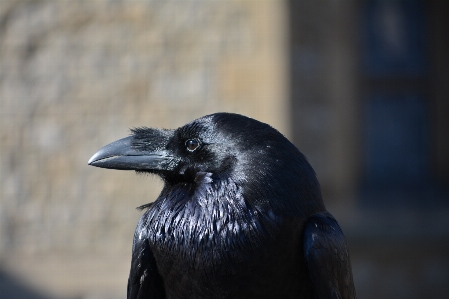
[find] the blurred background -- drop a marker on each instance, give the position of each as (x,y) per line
(361,87)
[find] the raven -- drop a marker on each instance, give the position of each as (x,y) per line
(240,215)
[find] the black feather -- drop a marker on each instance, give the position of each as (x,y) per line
(240,216)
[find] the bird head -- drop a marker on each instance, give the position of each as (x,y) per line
(215,147)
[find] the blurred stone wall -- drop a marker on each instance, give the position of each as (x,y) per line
(75,75)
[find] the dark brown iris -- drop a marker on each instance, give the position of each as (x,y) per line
(192,144)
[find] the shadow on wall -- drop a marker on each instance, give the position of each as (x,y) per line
(13,288)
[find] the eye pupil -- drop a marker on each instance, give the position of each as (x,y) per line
(192,144)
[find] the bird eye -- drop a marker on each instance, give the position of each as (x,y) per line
(192,144)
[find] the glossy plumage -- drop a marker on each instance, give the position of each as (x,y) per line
(240,215)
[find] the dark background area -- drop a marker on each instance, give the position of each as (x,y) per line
(393,68)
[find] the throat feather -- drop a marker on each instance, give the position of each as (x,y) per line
(213,224)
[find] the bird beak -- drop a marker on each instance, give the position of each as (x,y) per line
(121,155)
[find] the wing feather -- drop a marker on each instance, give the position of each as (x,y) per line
(327,258)
(144,279)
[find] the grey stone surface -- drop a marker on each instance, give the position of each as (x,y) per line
(75,75)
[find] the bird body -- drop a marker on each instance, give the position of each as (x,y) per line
(240,215)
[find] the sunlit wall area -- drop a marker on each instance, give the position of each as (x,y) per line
(75,75)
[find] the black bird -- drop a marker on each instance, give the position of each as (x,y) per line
(240,215)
